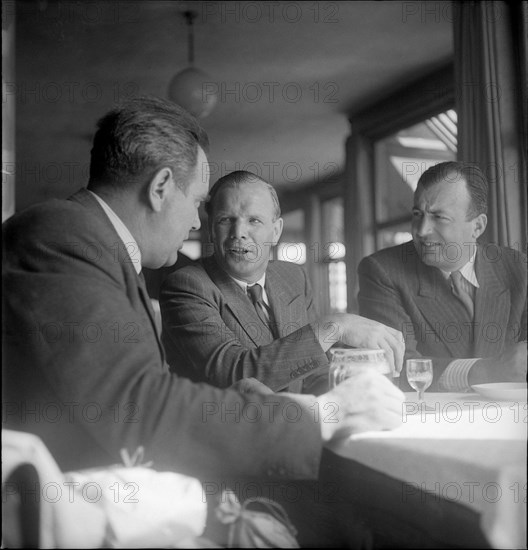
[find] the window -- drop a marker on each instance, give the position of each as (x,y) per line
(399,160)
(292,247)
(332,252)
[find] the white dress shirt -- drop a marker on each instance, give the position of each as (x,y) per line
(244,286)
(129,242)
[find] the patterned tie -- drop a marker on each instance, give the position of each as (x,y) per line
(461,292)
(255,293)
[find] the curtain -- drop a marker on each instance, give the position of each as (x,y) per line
(8,110)
(490,56)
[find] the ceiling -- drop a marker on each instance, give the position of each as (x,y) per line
(287,74)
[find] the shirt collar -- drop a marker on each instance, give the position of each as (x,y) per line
(243,285)
(129,242)
(468,271)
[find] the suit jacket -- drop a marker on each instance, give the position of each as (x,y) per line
(84,367)
(398,289)
(212,332)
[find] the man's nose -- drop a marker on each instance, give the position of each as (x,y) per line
(423,226)
(238,229)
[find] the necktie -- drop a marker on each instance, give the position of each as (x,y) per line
(255,293)
(461,292)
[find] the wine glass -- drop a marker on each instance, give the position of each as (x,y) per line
(419,375)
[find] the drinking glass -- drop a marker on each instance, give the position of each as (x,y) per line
(347,362)
(419,375)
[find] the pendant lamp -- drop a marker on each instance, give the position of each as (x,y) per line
(189,87)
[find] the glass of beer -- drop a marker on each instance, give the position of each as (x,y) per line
(347,362)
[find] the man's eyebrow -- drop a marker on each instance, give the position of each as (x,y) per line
(438,211)
(432,210)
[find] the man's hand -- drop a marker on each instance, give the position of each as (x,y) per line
(509,366)
(361,332)
(365,402)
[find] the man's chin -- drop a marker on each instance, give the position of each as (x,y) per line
(429,255)
(438,261)
(170,261)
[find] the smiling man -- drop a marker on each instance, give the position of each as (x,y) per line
(459,302)
(237,315)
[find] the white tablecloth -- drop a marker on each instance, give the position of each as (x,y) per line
(467,450)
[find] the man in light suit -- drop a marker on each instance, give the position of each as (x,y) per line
(459,302)
(213,329)
(83,365)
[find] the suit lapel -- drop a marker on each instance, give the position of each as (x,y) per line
(287,307)
(238,304)
(492,307)
(84,197)
(285,303)
(445,314)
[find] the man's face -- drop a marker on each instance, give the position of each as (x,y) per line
(442,234)
(181,213)
(243,230)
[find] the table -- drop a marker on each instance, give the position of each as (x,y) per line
(467,450)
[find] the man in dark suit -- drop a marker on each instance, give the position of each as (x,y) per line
(457,301)
(213,328)
(83,365)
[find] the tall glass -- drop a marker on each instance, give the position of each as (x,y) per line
(347,362)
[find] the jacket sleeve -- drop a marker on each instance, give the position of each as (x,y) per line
(194,328)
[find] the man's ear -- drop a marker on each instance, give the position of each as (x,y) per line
(479,225)
(159,188)
(277,230)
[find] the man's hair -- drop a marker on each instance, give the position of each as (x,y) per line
(237,179)
(141,136)
(471,174)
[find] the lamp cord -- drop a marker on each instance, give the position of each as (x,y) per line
(190,15)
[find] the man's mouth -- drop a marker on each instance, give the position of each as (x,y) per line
(242,252)
(237,250)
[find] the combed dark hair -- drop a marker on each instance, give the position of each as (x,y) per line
(235,179)
(452,171)
(141,136)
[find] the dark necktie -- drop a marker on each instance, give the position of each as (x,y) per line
(255,293)
(460,291)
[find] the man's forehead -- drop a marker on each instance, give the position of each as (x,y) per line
(445,192)
(249,193)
